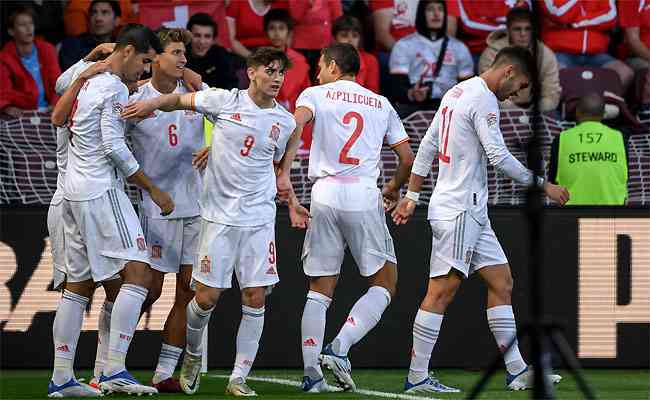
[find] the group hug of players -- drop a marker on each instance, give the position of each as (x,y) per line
(206,213)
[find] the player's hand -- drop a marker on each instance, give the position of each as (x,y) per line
(403,212)
(139,110)
(299,216)
(419,93)
(100,52)
(557,193)
(191,80)
(162,200)
(200,158)
(284,186)
(390,197)
(96,68)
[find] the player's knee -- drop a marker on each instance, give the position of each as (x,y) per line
(253,297)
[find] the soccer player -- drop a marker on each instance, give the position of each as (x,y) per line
(465,135)
(102,234)
(163,144)
(237,206)
(351,123)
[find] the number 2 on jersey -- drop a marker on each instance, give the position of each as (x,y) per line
(446,122)
(173,138)
(347,118)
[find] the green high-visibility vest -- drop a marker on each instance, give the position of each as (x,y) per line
(592,165)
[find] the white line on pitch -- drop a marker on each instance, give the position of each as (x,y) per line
(289,382)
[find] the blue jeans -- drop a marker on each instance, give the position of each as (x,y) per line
(583,60)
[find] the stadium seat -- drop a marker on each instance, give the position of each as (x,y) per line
(579,81)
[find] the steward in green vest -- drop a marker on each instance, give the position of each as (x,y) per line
(590,159)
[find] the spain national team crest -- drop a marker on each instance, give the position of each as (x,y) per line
(156,251)
(275,132)
(142,245)
(205,265)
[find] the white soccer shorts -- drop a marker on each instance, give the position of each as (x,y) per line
(101,236)
(55,228)
(248,251)
(340,224)
(463,244)
(171,242)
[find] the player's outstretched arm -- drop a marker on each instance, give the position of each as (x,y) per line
(391,189)
(166,102)
(162,199)
(64,106)
(298,215)
(302,115)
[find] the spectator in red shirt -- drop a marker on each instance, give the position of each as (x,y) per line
(393,19)
(246,24)
(28,67)
(313,27)
(578,32)
(348,29)
(472,21)
(634,18)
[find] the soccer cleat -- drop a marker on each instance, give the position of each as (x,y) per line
(524,379)
(94,383)
(429,384)
(340,367)
(169,385)
(316,385)
(123,382)
(238,387)
(71,389)
(190,373)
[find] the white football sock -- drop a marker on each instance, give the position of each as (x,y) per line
(197,320)
(365,314)
(425,334)
(124,319)
(103,335)
(248,340)
(65,332)
(312,328)
(502,324)
(166,362)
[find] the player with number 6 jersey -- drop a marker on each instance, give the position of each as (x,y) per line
(465,136)
(351,125)
(237,206)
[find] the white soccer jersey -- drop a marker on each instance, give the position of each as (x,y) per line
(97,142)
(163,145)
(465,134)
(416,56)
(239,185)
(63,82)
(351,124)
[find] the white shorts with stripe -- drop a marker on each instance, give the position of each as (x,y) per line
(463,244)
(346,212)
(101,236)
(248,251)
(57,240)
(171,242)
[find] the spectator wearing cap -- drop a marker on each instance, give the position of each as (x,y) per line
(214,63)
(278,25)
(590,159)
(428,62)
(520,32)
(579,31)
(472,21)
(28,67)
(634,18)
(246,24)
(103,18)
(348,29)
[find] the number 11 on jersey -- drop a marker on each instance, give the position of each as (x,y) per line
(446,122)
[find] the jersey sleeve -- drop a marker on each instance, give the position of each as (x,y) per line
(282,143)
(485,119)
(428,149)
(395,134)
(69,75)
(211,101)
(112,130)
(399,58)
(308,99)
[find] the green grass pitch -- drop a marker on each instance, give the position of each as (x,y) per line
(607,383)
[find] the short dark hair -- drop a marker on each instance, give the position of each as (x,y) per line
(592,105)
(202,19)
(519,14)
(346,23)
(278,15)
(173,35)
(344,55)
(26,10)
(115,5)
(263,56)
(140,37)
(519,57)
(421,19)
